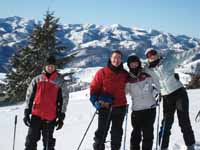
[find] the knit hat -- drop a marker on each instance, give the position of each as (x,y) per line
(133,58)
(150,51)
(51,60)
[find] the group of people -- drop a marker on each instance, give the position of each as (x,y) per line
(112,83)
(47,98)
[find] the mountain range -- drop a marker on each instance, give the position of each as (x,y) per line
(96,42)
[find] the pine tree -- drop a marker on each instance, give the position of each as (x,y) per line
(27,62)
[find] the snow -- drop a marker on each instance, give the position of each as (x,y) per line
(78,116)
(2,77)
(102,38)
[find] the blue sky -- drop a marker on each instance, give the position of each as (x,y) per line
(173,16)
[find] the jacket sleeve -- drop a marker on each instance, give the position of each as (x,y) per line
(64,97)
(180,57)
(127,88)
(30,95)
(97,83)
(156,83)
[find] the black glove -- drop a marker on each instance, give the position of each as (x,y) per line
(176,75)
(26,119)
(59,121)
(59,124)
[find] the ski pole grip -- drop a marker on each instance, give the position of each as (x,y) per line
(15,119)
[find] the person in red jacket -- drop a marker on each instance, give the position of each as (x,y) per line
(46,102)
(107,94)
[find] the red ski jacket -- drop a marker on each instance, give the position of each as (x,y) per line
(107,82)
(45,96)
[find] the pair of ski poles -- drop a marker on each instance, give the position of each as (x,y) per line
(158,144)
(107,124)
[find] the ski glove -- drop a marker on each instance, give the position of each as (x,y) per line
(59,121)
(176,75)
(95,103)
(26,119)
(106,98)
(59,124)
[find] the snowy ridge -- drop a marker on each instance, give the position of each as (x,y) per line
(96,40)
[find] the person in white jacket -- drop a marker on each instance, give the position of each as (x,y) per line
(140,88)
(174,95)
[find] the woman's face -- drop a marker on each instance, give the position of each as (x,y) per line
(50,68)
(134,65)
(152,57)
(116,59)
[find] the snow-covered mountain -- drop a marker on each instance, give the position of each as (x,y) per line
(96,41)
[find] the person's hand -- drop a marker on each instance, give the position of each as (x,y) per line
(27,119)
(97,105)
(60,120)
(104,104)
(59,124)
(176,75)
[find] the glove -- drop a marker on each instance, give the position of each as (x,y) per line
(95,103)
(93,99)
(106,98)
(176,75)
(59,124)
(26,119)
(59,121)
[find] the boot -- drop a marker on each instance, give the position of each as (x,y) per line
(134,148)
(97,146)
(115,148)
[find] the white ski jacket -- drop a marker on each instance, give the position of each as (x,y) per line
(164,71)
(142,91)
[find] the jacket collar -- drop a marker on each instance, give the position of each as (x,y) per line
(52,76)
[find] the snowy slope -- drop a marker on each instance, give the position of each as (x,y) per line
(79,113)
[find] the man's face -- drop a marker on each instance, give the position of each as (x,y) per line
(116,59)
(50,68)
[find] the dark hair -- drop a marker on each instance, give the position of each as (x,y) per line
(133,58)
(116,51)
(51,60)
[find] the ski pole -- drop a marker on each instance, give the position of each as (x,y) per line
(158,125)
(15,125)
(126,126)
(162,133)
(197,119)
(106,127)
(87,129)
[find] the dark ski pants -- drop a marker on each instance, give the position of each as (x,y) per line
(117,117)
(35,130)
(177,101)
(142,122)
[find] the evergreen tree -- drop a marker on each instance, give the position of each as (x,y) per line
(27,62)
